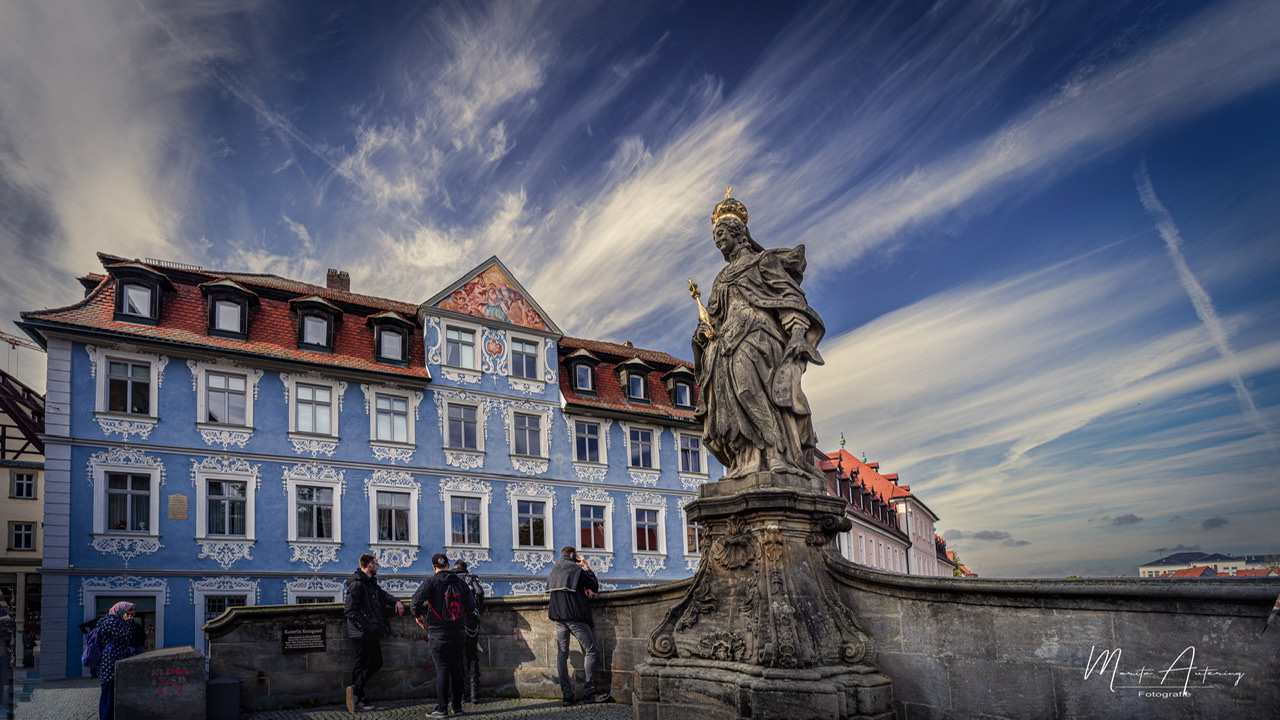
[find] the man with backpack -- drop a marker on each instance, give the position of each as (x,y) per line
(471,647)
(441,606)
(571,585)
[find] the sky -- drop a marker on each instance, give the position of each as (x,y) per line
(1042,235)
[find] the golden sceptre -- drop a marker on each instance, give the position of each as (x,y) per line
(703,315)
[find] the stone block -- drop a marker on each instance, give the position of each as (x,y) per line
(1023,635)
(161,684)
(1009,690)
(922,678)
(950,630)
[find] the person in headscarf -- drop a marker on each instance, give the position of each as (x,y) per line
(115,632)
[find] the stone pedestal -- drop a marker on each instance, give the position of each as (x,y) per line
(762,632)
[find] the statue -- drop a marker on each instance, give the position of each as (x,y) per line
(755,337)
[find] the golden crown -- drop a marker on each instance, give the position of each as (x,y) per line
(729,206)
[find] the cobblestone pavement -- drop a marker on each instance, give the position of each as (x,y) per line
(78,700)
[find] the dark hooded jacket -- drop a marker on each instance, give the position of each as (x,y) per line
(368,606)
(568,586)
(445,601)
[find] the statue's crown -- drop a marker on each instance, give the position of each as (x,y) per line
(729,206)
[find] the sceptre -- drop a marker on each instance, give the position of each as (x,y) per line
(703,315)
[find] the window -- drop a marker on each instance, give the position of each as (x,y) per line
(635,386)
(586,442)
(136,299)
(225,399)
(129,387)
(314,508)
(682,394)
(227,508)
(22,485)
(391,344)
(690,454)
(315,330)
(313,409)
(593,527)
(464,520)
(22,536)
(128,502)
(393,516)
(462,427)
(215,605)
(392,418)
(460,348)
(641,446)
(528,435)
(312,599)
(695,538)
(531,524)
(524,359)
(584,377)
(228,316)
(647,530)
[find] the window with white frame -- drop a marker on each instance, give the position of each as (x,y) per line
(394,509)
(22,485)
(648,528)
(215,605)
(129,387)
(130,506)
(460,347)
(695,538)
(313,590)
(641,448)
(315,508)
(682,394)
(391,344)
(691,458)
(584,377)
(391,418)
(466,521)
(226,400)
(138,300)
(313,409)
(593,527)
(463,427)
(313,599)
(315,331)
(227,316)
(527,434)
(531,524)
(226,508)
(636,389)
(524,359)
(586,446)
(22,536)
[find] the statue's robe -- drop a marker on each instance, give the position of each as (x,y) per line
(751,400)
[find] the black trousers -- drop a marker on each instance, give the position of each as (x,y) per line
(368,662)
(471,659)
(446,653)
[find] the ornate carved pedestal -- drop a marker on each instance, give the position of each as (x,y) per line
(763,633)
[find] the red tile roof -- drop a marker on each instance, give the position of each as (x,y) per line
(609,394)
(272,325)
(1259,572)
(1198,571)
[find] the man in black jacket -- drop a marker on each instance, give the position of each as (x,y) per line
(471,648)
(441,606)
(367,607)
(571,585)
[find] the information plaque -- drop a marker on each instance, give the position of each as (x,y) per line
(302,637)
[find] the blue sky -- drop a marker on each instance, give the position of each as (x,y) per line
(1042,234)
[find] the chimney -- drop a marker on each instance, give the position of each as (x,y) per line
(338,280)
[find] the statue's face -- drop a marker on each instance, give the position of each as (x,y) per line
(728,237)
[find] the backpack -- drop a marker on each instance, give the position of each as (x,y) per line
(477,591)
(91,656)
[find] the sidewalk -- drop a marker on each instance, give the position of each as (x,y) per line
(77,699)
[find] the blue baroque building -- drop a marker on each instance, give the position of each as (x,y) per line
(216,439)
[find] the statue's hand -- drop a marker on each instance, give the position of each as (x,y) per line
(796,344)
(703,333)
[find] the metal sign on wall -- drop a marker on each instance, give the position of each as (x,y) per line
(302,637)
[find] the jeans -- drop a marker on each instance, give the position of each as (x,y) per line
(368,662)
(107,701)
(587,639)
(446,653)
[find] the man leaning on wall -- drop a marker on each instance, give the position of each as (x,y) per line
(572,584)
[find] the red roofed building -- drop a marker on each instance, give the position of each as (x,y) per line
(1201,571)
(893,529)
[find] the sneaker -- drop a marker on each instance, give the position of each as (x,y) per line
(601,698)
(458,711)
(438,713)
(351,698)
(365,704)
(568,701)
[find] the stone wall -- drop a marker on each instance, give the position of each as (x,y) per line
(517,650)
(953,648)
(968,648)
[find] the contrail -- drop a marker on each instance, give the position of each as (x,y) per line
(1199,297)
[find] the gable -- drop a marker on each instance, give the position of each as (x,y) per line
(489,292)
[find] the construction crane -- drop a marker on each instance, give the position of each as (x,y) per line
(17,342)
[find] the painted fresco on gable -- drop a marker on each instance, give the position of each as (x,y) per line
(492,295)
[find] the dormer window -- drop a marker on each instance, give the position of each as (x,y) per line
(317,318)
(681,394)
(680,387)
(391,338)
(584,377)
(138,289)
(635,379)
(228,308)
